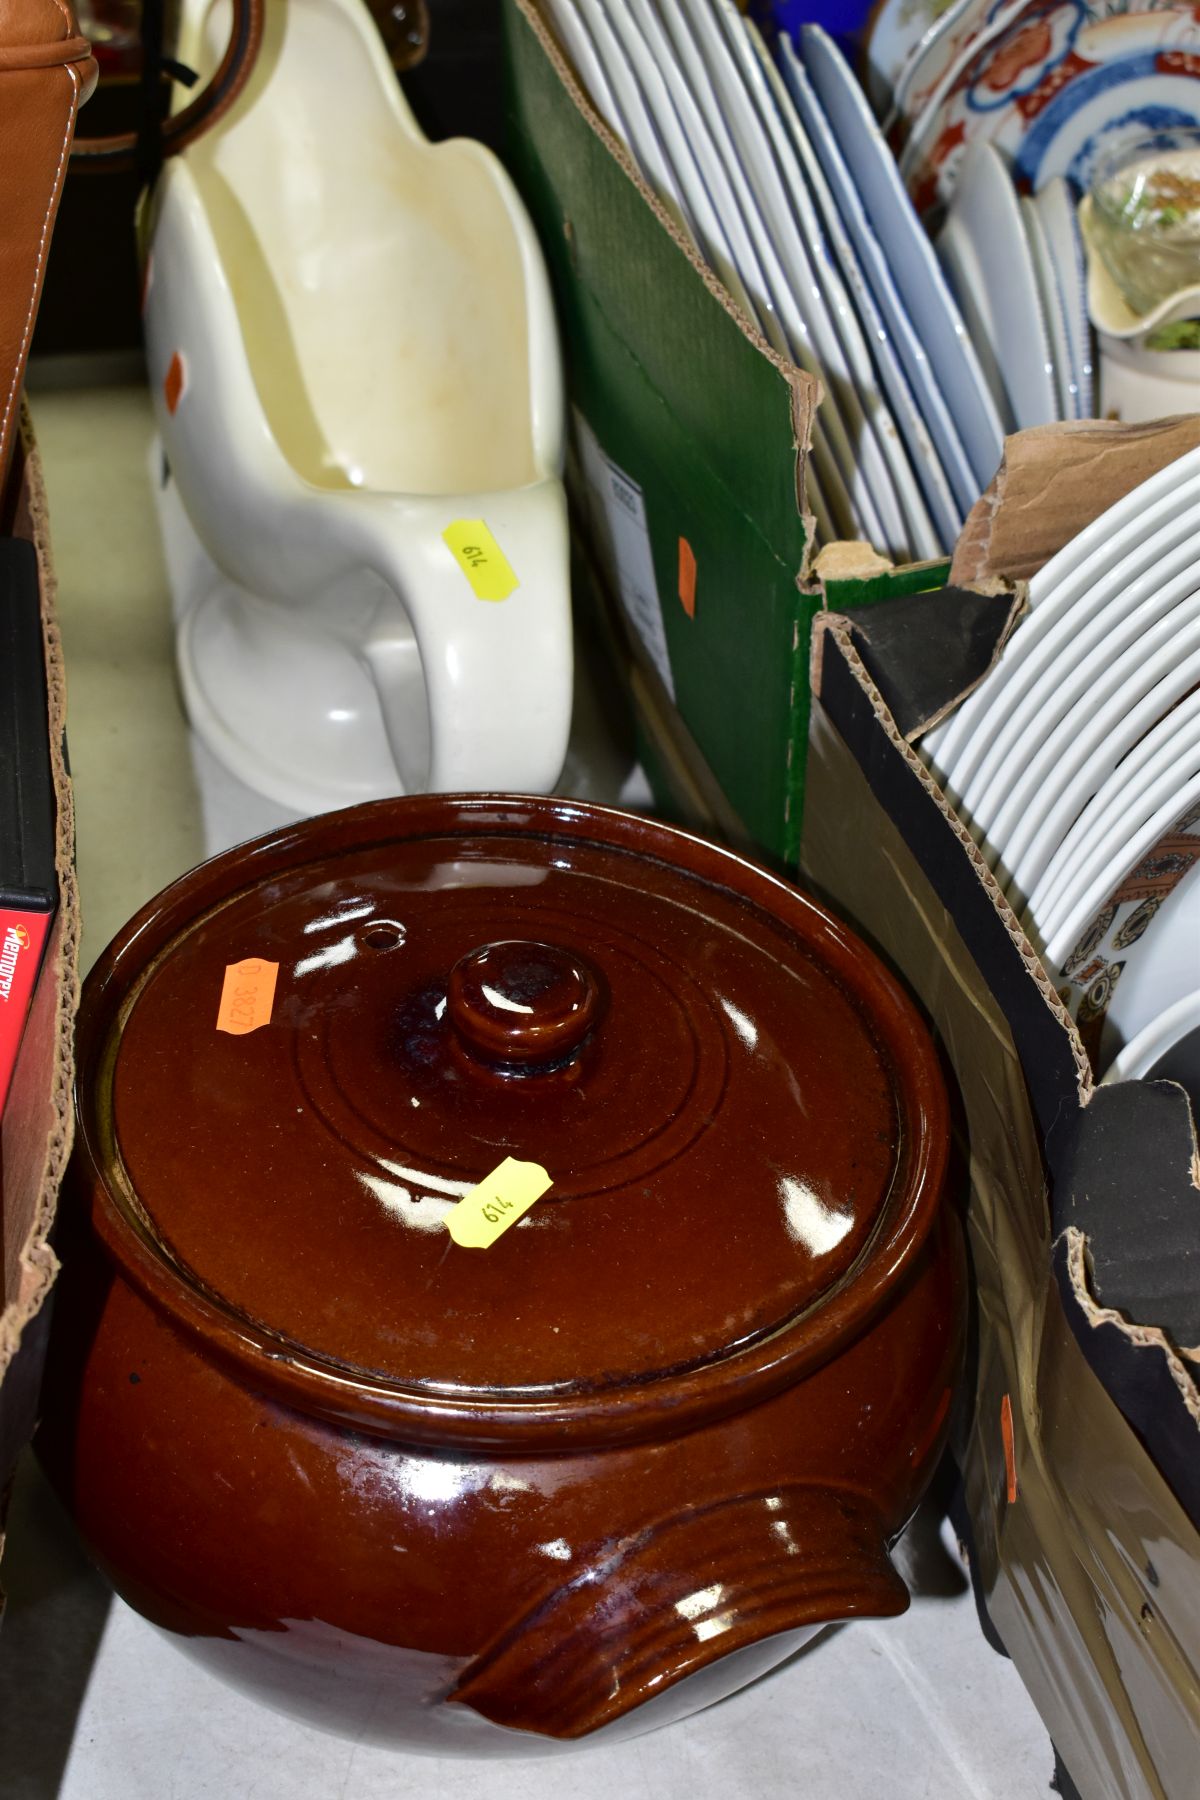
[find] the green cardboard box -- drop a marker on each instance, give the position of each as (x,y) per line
(691,439)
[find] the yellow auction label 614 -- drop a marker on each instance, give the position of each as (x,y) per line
(496,1202)
(480,558)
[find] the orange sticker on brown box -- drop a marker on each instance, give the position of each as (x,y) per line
(247,996)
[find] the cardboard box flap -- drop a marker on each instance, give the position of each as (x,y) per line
(1142,1372)
(1053,481)
(1056,1066)
(925,652)
(1136,1138)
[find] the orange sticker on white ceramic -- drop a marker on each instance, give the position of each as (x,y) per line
(1010,1453)
(496,1202)
(247,996)
(480,558)
(174,383)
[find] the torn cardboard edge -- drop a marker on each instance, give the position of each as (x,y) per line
(1125,1174)
(1139,1368)
(805,389)
(966,628)
(38,1125)
(1053,481)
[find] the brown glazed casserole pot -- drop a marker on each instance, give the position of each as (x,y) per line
(589,1478)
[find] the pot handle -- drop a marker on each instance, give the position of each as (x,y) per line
(671,1600)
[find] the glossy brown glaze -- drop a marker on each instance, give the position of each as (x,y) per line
(601,1472)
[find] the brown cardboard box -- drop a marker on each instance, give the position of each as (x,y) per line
(38,1120)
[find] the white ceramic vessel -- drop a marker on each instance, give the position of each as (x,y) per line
(351,343)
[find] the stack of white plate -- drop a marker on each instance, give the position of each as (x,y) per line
(1076,762)
(802,216)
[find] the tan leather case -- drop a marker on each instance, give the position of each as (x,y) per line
(46,72)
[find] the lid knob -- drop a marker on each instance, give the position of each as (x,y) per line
(523,1004)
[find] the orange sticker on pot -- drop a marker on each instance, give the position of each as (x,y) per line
(496,1202)
(247,996)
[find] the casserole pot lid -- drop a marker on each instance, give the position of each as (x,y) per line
(701,1071)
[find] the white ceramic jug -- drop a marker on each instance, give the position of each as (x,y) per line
(352,349)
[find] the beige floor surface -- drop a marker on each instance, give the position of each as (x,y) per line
(138,807)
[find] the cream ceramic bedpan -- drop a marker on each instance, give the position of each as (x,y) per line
(352,350)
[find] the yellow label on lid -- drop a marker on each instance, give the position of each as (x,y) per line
(496,1202)
(480,558)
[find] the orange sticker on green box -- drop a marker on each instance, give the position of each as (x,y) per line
(247,996)
(481,559)
(496,1202)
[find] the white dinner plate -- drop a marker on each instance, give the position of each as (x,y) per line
(1104,830)
(1054,312)
(1054,205)
(1160,755)
(1039,654)
(933,518)
(1063,931)
(586,21)
(997,290)
(1166,1048)
(1097,651)
(1089,742)
(909,533)
(712,196)
(614,90)
(954,748)
(581,52)
(873,264)
(675,62)
(920,282)
(876,508)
